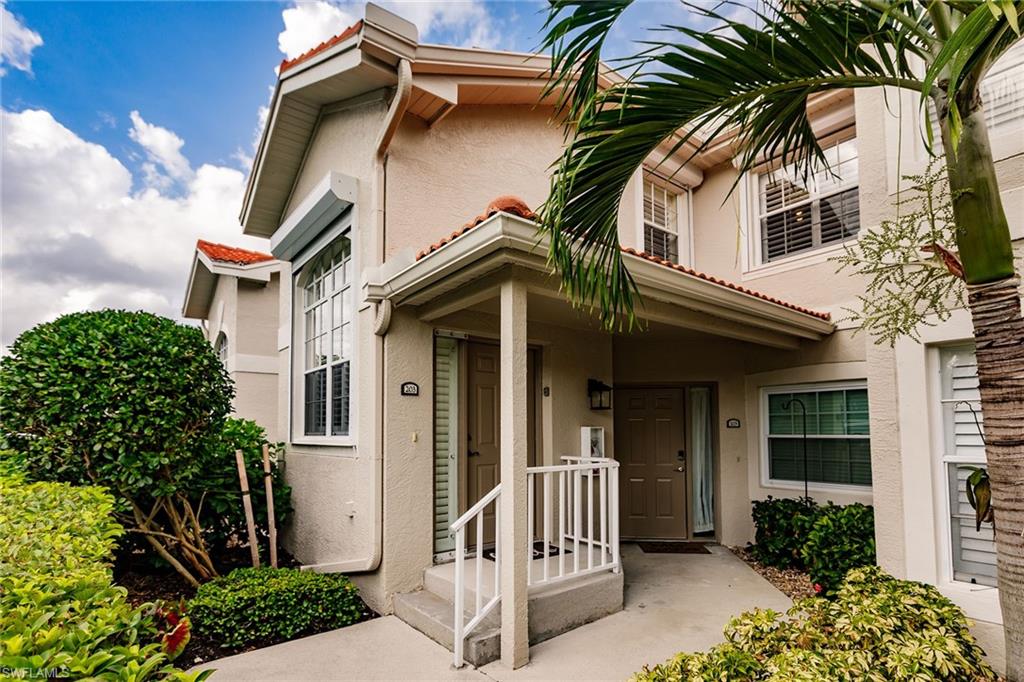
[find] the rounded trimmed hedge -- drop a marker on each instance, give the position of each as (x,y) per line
(112,397)
(266,605)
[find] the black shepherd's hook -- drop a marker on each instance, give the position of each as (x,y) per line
(975,415)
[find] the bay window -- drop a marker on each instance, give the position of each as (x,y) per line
(325,293)
(798,213)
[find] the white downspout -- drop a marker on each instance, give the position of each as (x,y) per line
(396,111)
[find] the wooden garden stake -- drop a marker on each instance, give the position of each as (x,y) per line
(268,482)
(247,503)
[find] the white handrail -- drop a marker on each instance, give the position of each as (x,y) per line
(462,627)
(476,508)
(584,495)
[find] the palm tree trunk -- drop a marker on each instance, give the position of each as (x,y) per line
(983,238)
(999,340)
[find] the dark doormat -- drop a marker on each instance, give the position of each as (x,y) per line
(674,548)
(538,551)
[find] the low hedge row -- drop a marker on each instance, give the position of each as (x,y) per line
(60,615)
(261,606)
(877,628)
(826,541)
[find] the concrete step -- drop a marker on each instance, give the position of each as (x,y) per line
(554,608)
(435,617)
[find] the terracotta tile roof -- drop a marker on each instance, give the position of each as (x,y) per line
(725,283)
(329,43)
(505,203)
(516,206)
(230,254)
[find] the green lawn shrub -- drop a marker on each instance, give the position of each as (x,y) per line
(265,605)
(60,615)
(137,403)
(781,528)
(842,538)
(877,628)
(222,515)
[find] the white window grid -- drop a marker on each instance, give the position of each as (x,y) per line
(661,221)
(326,290)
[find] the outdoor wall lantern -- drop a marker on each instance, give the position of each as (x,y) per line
(600,395)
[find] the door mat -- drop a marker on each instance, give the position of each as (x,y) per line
(538,551)
(674,547)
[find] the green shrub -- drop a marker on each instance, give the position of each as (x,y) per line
(60,616)
(113,397)
(222,513)
(842,538)
(782,526)
(126,400)
(265,605)
(877,628)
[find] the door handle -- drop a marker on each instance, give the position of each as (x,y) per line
(473,453)
(681,469)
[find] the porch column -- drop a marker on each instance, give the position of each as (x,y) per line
(515,645)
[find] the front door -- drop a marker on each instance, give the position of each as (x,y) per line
(483,432)
(650,445)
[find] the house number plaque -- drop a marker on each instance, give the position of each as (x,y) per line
(732,423)
(410,388)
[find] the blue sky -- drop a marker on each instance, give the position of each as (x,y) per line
(128,130)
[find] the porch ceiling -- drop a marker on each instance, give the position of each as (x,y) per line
(467,272)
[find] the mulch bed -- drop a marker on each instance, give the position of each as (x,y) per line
(148,583)
(792,582)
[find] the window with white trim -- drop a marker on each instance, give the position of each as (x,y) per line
(973,551)
(220,347)
(661,222)
(838,440)
(325,289)
(797,213)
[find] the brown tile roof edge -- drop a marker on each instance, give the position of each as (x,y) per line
(515,206)
(726,283)
(231,254)
(506,203)
(329,43)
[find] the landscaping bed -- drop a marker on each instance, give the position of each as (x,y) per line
(793,582)
(147,583)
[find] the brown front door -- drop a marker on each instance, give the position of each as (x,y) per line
(650,446)
(483,433)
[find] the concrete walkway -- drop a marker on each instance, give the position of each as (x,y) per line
(674,602)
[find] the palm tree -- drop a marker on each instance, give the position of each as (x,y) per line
(754,81)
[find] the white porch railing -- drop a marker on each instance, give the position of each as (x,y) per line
(577,504)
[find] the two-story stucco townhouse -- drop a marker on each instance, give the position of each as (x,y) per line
(438,395)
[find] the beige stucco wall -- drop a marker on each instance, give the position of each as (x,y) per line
(246,312)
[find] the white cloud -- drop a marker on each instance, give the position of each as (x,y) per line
(307,24)
(77,236)
(460,22)
(17,42)
(163,151)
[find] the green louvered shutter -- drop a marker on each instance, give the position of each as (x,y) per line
(446,402)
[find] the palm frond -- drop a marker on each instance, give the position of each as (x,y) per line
(971,48)
(696,86)
(575,31)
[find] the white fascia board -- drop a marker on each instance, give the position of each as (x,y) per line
(331,197)
(504,231)
(255,272)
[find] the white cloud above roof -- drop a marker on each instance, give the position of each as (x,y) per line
(78,236)
(17,42)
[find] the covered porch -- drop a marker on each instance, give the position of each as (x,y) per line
(535,483)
